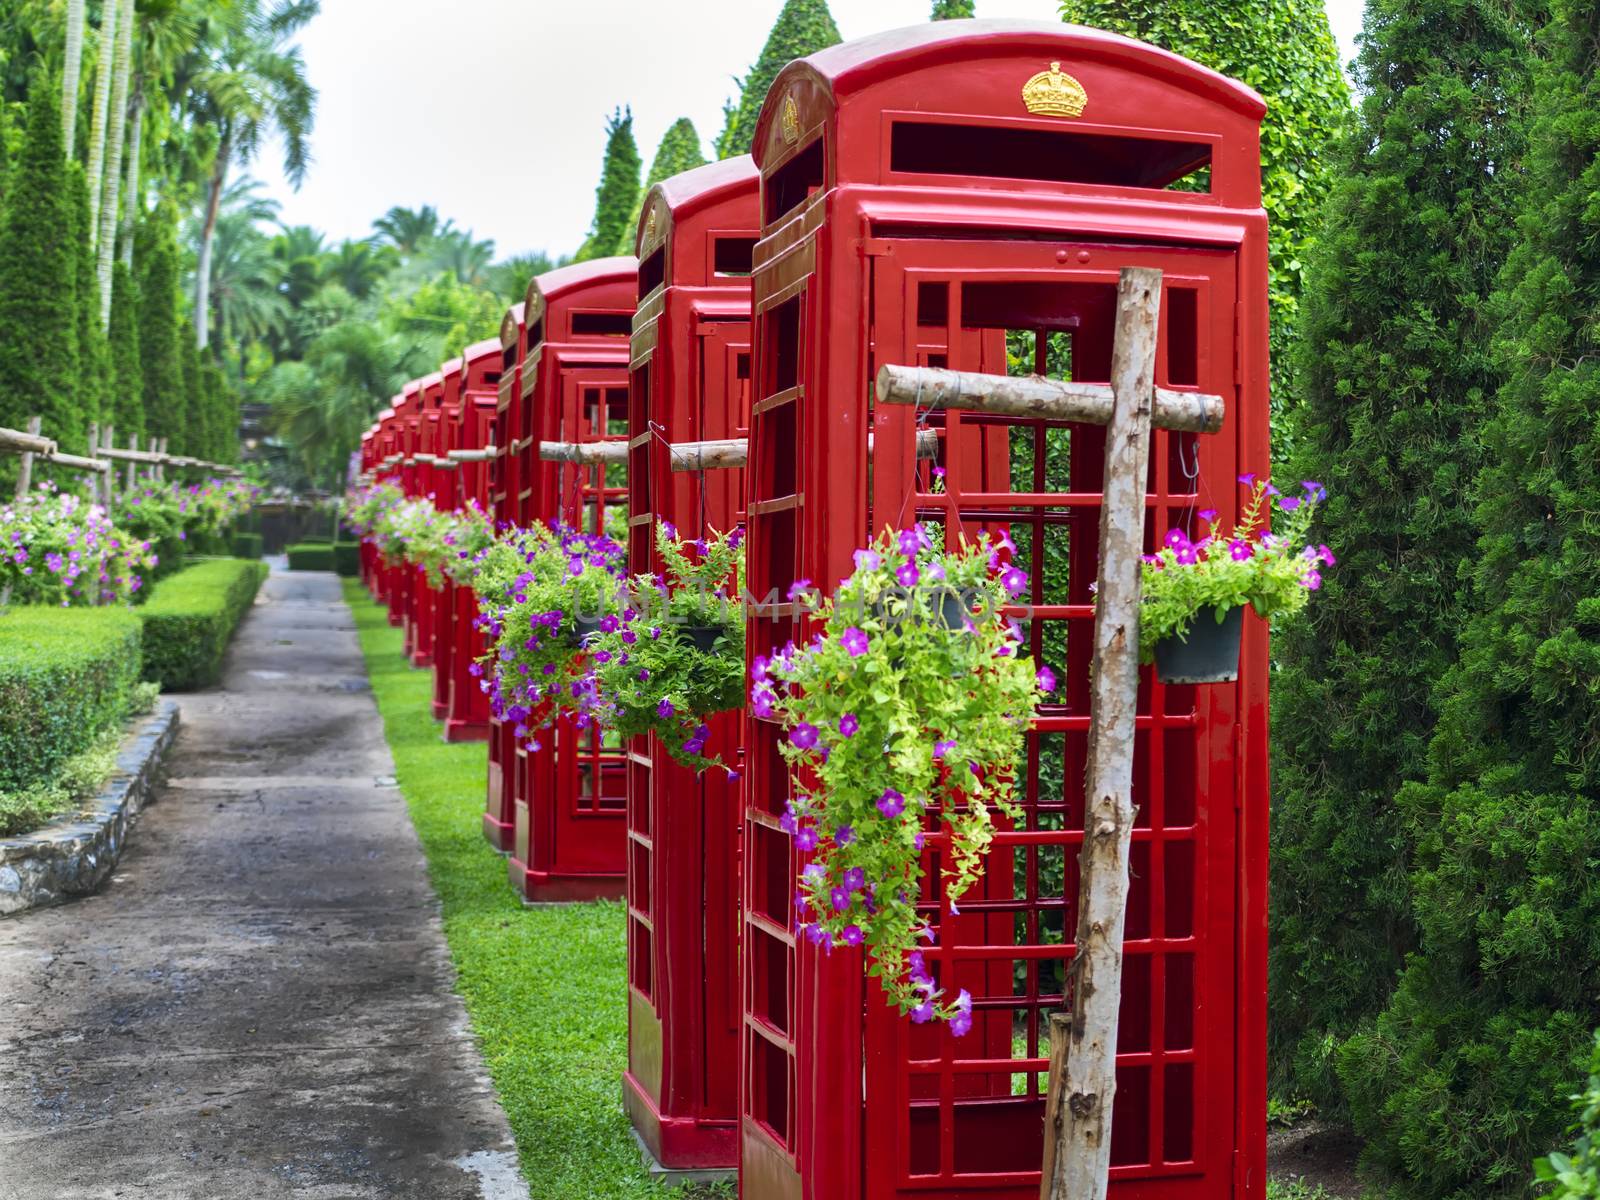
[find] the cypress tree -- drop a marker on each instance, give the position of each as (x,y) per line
(618,191)
(803,27)
(38,281)
(1396,376)
(951,10)
(1287,53)
(222,421)
(193,437)
(126,396)
(159,353)
(1465,1077)
(679,152)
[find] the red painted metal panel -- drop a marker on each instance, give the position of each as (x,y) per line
(903,225)
(690,381)
(569,795)
(499,817)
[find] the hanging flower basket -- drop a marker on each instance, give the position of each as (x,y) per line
(1208,653)
(1194,593)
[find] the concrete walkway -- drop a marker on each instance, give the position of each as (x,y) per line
(259,1004)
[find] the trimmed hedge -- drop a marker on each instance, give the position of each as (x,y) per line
(347,558)
(66,676)
(246,545)
(311,556)
(190,618)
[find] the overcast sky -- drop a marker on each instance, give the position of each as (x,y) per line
(494,111)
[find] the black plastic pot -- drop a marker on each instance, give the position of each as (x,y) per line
(947,609)
(582,627)
(703,636)
(1210,654)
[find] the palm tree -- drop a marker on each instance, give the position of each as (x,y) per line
(299,250)
(70,73)
(359,266)
(105,63)
(106,192)
(509,277)
(456,252)
(409,228)
(257,85)
(245,273)
(170,35)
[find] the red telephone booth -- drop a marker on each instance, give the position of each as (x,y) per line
(365,554)
(571,795)
(466,716)
(941,195)
(443,484)
(690,382)
(388,472)
(499,815)
(423,598)
(408,420)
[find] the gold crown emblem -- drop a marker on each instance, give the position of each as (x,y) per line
(789,122)
(650,223)
(1054,93)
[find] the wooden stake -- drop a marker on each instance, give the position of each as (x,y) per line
(733,453)
(31,446)
(1036,398)
(1084,1088)
(584,453)
(133,448)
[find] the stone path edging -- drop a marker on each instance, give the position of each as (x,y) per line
(73,855)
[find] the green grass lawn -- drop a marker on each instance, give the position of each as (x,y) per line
(544,987)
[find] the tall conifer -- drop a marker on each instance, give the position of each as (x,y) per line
(618,191)
(193,436)
(803,27)
(1285,51)
(679,151)
(91,349)
(951,10)
(38,280)
(127,370)
(222,422)
(1396,376)
(1466,1075)
(159,357)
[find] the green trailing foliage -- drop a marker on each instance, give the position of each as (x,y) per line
(803,27)
(66,676)
(616,198)
(1286,52)
(1396,375)
(1461,1081)
(190,618)
(126,396)
(160,356)
(38,281)
(311,556)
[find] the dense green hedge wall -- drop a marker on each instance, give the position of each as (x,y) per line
(347,558)
(191,616)
(1397,370)
(1464,1079)
(66,675)
(246,545)
(311,556)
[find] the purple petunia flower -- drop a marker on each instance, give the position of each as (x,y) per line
(806,840)
(1289,503)
(867,560)
(609,624)
(1240,550)
(854,641)
(844,835)
(840,898)
(891,804)
(855,879)
(907,574)
(803,736)
(799,588)
(848,725)
(665,709)
(940,749)
(852,935)
(1015,580)
(1208,515)
(1249,479)
(1047,680)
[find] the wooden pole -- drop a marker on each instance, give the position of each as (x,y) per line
(133,448)
(1033,397)
(732,453)
(1084,1089)
(32,442)
(584,453)
(108,439)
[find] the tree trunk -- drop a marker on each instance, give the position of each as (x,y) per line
(115,136)
(1083,1093)
(71,69)
(105,66)
(133,203)
(208,233)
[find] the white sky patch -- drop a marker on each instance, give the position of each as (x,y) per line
(493,111)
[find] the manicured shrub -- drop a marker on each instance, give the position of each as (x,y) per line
(618,193)
(347,558)
(311,556)
(66,675)
(190,618)
(246,545)
(1463,1081)
(1396,374)
(125,400)
(161,362)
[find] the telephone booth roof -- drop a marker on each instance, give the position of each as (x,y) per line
(478,351)
(681,196)
(432,389)
(453,367)
(968,100)
(511,326)
(545,291)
